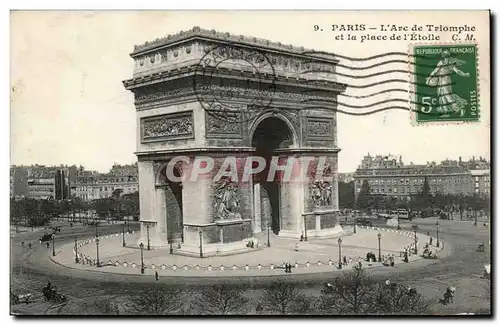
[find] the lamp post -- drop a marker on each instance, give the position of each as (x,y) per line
(200,233)
(76,251)
(340,253)
(97,248)
(53,245)
(437,233)
(123,235)
(354,223)
(147,232)
(170,241)
(415,227)
(305,229)
(142,257)
(379,236)
(268,235)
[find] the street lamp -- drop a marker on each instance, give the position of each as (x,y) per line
(170,241)
(354,223)
(147,231)
(53,245)
(340,253)
(379,236)
(415,227)
(142,257)
(76,251)
(268,235)
(123,235)
(437,233)
(97,249)
(305,228)
(200,233)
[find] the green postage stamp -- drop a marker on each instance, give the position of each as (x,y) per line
(445,87)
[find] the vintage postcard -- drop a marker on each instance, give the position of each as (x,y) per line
(250,163)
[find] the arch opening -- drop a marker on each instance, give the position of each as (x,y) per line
(270,135)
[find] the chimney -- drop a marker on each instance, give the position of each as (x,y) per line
(460,159)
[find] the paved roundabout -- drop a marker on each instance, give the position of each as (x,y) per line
(459,264)
(313,256)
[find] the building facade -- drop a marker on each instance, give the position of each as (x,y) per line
(388,175)
(48,183)
(18,182)
(481,181)
(91,185)
(215,94)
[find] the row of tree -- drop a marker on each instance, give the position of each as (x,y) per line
(449,203)
(33,213)
(352,293)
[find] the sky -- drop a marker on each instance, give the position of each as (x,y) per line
(68,104)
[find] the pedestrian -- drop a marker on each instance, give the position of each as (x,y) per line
(156,275)
(345,260)
(48,245)
(29,245)
(296,247)
(302,236)
(22,244)
(430,240)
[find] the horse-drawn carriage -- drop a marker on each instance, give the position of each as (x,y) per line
(50,294)
(45,238)
(428,254)
(448,295)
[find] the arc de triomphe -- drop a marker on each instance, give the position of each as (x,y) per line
(217,95)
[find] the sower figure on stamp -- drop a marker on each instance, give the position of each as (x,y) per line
(440,77)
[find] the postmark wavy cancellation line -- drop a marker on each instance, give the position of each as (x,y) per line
(446,92)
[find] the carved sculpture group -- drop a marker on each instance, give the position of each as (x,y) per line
(226,200)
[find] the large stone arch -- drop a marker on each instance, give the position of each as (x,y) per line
(273,114)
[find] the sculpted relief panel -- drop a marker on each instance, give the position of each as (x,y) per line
(223,124)
(319,128)
(167,127)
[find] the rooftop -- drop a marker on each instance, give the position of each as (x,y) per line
(197,32)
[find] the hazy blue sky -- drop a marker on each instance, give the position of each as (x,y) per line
(68,104)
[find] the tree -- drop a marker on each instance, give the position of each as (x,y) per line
(284,298)
(396,299)
(129,204)
(365,198)
(357,293)
(103,307)
(346,195)
(221,299)
(157,301)
(350,294)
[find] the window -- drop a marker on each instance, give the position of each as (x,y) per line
(395,190)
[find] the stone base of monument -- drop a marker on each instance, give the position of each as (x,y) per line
(313,233)
(217,249)
(326,233)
